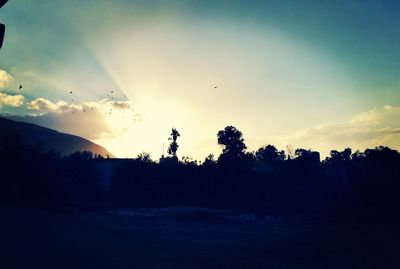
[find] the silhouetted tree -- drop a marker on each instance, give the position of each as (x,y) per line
(269,155)
(173,147)
(233,142)
(339,157)
(307,155)
(98,157)
(144,157)
(189,161)
(81,156)
(209,160)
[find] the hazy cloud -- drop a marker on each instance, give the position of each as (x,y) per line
(121,104)
(380,126)
(11,100)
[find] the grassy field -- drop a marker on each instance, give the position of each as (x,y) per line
(40,238)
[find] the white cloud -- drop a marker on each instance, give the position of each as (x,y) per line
(11,100)
(5,78)
(105,106)
(91,120)
(41,104)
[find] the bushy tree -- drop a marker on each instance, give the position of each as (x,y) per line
(144,157)
(233,142)
(269,155)
(209,160)
(307,155)
(339,157)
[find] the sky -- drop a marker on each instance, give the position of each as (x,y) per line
(319,75)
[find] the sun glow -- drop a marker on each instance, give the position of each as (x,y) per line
(199,78)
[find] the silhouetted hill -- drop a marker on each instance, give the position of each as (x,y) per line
(48,139)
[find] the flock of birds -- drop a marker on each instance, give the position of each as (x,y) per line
(94,101)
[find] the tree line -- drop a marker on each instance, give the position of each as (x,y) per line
(269,181)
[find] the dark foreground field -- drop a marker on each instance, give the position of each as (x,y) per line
(179,238)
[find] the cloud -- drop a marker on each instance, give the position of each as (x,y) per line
(41,104)
(5,78)
(379,126)
(121,105)
(91,120)
(11,100)
(383,117)
(105,106)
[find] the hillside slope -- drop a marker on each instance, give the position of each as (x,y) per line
(48,139)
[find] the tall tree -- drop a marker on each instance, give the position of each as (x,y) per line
(173,147)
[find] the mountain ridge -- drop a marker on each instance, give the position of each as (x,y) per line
(49,139)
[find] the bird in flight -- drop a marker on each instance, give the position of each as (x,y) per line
(20,87)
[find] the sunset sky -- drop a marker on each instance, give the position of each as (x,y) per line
(314,74)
